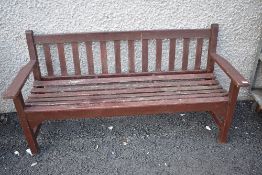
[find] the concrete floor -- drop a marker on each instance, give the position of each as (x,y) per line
(162,144)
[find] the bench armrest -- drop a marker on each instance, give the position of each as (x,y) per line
(19,81)
(231,72)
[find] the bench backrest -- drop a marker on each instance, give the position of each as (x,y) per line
(137,43)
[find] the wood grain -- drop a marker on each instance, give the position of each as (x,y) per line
(117,56)
(172,54)
(76,58)
(90,59)
(185,53)
(131,56)
(144,55)
(61,55)
(103,53)
(158,54)
(48,60)
(199,46)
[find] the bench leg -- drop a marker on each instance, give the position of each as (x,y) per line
(233,93)
(28,132)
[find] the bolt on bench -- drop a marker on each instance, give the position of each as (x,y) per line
(124,93)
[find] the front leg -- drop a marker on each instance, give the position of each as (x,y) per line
(233,93)
(28,131)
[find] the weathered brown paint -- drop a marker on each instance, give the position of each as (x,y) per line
(61,55)
(212,46)
(33,53)
(78,96)
(198,53)
(172,54)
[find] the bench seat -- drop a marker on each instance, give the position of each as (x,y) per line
(115,93)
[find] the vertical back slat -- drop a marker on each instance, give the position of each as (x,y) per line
(76,58)
(172,54)
(131,56)
(117,56)
(158,54)
(33,53)
(145,55)
(48,60)
(62,60)
(198,53)
(185,53)
(103,57)
(90,59)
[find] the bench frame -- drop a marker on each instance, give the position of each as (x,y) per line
(220,111)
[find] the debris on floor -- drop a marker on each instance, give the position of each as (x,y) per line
(110,127)
(33,164)
(125,141)
(96,147)
(208,128)
(3,120)
(182,115)
(29,151)
(16,153)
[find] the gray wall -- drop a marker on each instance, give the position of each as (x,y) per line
(240,25)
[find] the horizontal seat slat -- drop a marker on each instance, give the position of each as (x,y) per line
(122,86)
(119,100)
(124,79)
(127,95)
(143,90)
(183,89)
(112,106)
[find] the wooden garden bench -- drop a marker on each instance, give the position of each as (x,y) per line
(118,93)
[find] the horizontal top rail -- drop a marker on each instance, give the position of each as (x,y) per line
(123,35)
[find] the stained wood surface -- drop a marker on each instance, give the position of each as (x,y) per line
(33,53)
(158,54)
(198,53)
(131,56)
(172,54)
(140,89)
(61,55)
(121,94)
(144,55)
(185,53)
(117,56)
(90,59)
(212,46)
(48,60)
(123,109)
(110,75)
(236,77)
(76,60)
(129,35)
(103,55)
(128,79)
(19,81)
